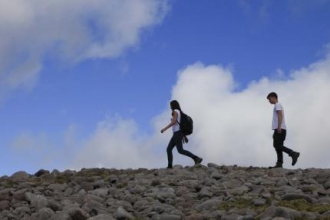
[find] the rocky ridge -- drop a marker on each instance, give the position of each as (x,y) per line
(192,193)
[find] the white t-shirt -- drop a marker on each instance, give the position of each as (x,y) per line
(176,126)
(278,107)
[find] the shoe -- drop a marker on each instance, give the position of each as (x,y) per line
(276,166)
(198,160)
(169,167)
(295,156)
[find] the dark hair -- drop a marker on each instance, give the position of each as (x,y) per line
(175,105)
(272,94)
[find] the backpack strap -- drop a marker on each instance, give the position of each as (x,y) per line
(185,139)
(180,118)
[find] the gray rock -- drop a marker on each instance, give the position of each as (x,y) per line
(57,187)
(55,172)
(231,217)
(22,211)
(216,175)
(327,185)
(102,193)
(102,217)
(326,214)
(190,193)
(19,176)
(36,201)
(239,190)
(122,214)
(283,212)
(61,216)
(166,217)
(44,213)
(160,192)
(297,196)
(4,205)
(54,205)
(259,202)
(41,172)
(77,214)
(213,165)
(94,207)
(205,193)
(210,204)
(309,215)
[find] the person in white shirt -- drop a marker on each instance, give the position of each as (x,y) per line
(279,127)
(178,138)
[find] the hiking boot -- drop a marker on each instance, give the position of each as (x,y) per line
(169,167)
(276,166)
(198,160)
(295,156)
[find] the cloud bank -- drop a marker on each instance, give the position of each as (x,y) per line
(68,31)
(231,126)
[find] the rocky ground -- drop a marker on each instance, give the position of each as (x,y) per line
(194,193)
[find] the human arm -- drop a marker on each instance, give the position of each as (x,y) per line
(173,121)
(280,119)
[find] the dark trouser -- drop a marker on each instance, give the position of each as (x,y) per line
(176,140)
(278,143)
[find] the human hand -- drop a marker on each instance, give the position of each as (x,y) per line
(279,130)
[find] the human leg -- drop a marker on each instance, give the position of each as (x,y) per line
(169,150)
(178,142)
(293,154)
(279,139)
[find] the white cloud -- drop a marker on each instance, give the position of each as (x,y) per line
(231,127)
(34,150)
(260,9)
(301,7)
(116,143)
(259,12)
(71,31)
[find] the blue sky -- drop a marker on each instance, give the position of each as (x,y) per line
(91,88)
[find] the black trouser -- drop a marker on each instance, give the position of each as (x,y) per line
(278,143)
(176,140)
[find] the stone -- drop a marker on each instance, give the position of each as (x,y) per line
(209,204)
(123,214)
(4,205)
(41,172)
(205,193)
(189,193)
(297,196)
(39,202)
(259,202)
(45,213)
(57,187)
(102,217)
(20,176)
(216,175)
(77,214)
